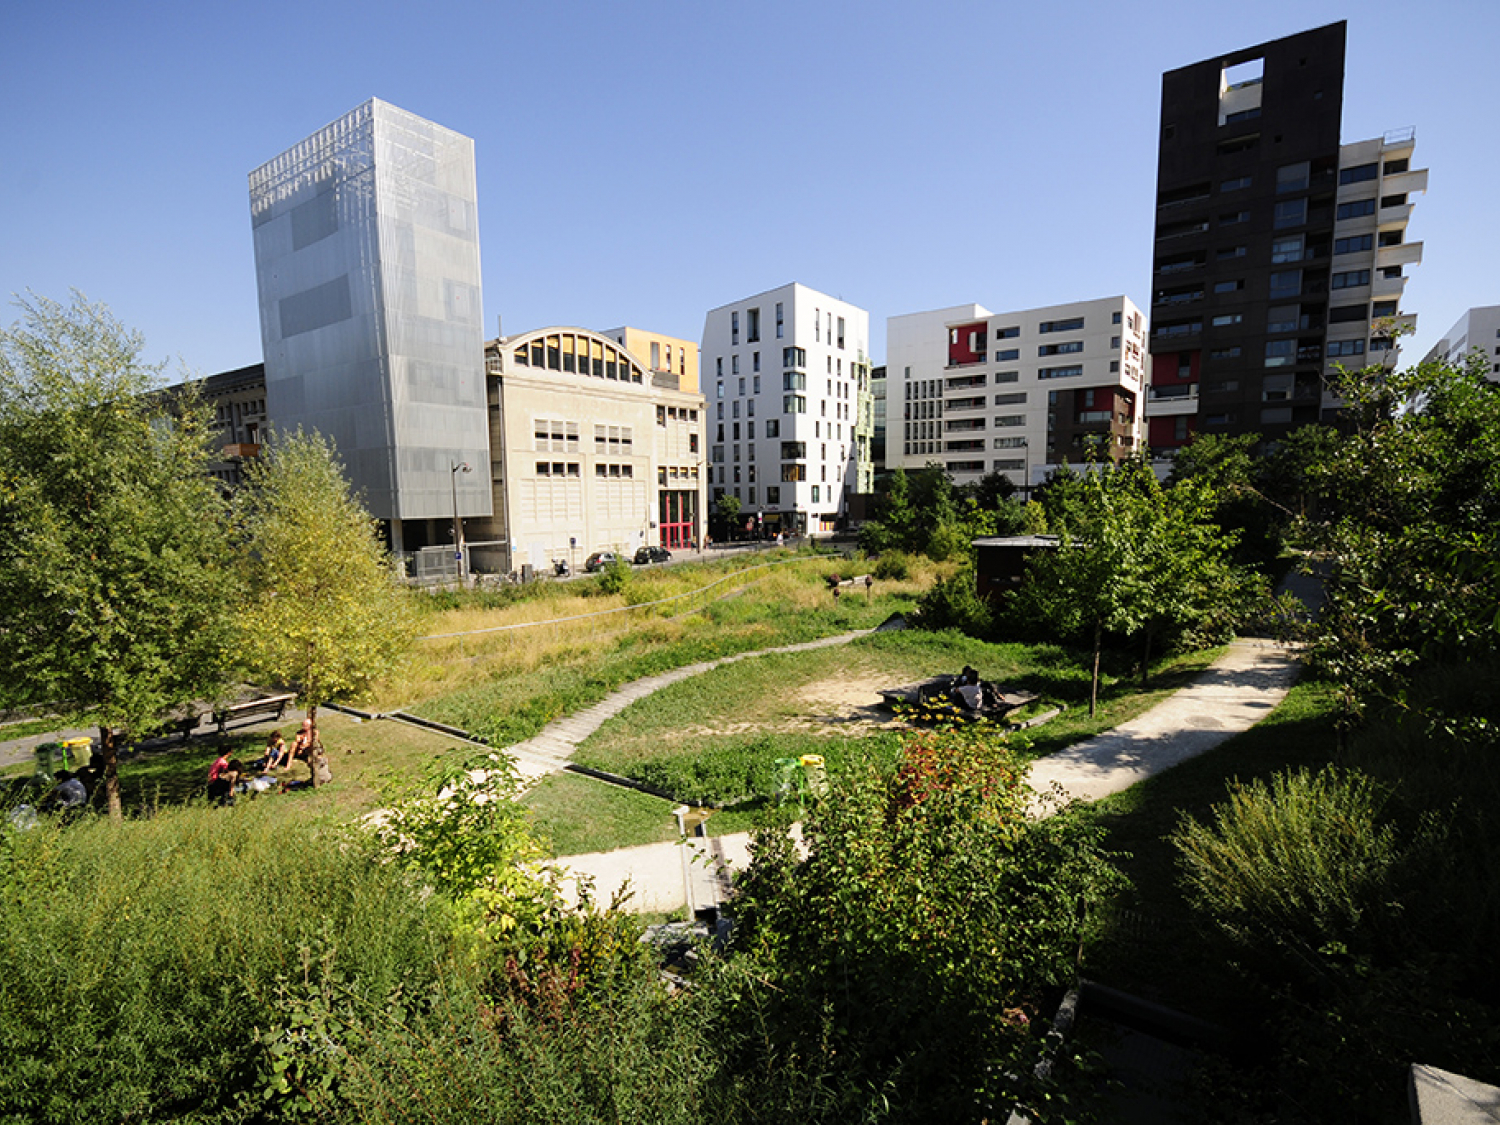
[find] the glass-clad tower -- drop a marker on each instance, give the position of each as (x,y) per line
(367,265)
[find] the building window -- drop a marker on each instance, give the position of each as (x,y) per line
(773,427)
(1069,372)
(1282,318)
(794,404)
(793,357)
(1292,177)
(1359,174)
(1072,324)
(1286,283)
(1358,209)
(1280,353)
(780,328)
(1008,355)
(1338,348)
(1226,319)
(752,326)
(1349,279)
(1007,333)
(1285,250)
(1230,218)
(1358,244)
(1067,347)
(1290,213)
(734,328)
(1238,183)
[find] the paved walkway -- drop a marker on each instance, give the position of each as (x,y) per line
(1232,695)
(552,749)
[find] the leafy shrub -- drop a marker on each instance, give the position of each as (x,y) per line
(875,538)
(615,576)
(1299,864)
(948,541)
(954,603)
(893,566)
(902,962)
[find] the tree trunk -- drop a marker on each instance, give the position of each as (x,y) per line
(1094,685)
(109,752)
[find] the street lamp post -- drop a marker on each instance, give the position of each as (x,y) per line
(454,468)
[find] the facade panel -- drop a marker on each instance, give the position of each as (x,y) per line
(367,264)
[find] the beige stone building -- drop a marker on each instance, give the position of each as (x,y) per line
(592,448)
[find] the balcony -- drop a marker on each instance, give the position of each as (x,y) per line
(963,382)
(1170,401)
(1390,217)
(1404,182)
(240,450)
(1387,287)
(1404,254)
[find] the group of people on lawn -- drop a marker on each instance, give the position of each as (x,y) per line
(227,776)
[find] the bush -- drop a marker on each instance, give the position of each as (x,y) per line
(901,963)
(893,566)
(954,603)
(948,541)
(615,576)
(1298,864)
(874,537)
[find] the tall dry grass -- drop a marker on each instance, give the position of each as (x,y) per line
(717,608)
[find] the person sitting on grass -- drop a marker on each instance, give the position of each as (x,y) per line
(309,748)
(222,785)
(277,756)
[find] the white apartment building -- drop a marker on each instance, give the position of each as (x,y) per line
(1478,330)
(1015,393)
(786,375)
(1370,257)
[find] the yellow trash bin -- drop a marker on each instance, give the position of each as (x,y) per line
(812,770)
(77,753)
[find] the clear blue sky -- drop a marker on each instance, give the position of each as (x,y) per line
(642,163)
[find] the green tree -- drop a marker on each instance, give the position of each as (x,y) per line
(326,615)
(116,581)
(1135,560)
(728,509)
(1406,528)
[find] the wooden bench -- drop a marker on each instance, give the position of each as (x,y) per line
(269,707)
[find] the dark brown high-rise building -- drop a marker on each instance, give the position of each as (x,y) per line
(1279,252)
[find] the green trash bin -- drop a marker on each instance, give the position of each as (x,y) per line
(788,775)
(46,761)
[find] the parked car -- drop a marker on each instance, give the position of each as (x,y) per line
(652,555)
(599,560)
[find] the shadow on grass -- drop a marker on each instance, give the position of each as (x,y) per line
(1151,944)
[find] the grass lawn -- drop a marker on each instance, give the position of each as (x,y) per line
(387,758)
(714,739)
(575,814)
